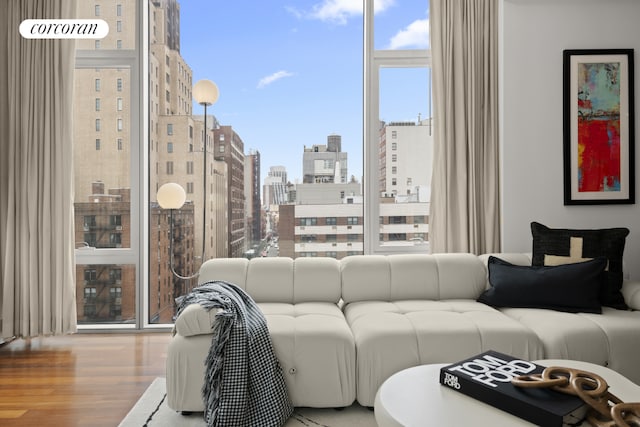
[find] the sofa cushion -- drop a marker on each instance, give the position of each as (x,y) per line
(573,244)
(195,320)
(572,287)
(394,335)
(411,276)
(280,279)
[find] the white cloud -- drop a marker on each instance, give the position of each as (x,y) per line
(415,35)
(265,81)
(339,11)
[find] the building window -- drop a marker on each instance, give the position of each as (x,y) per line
(97,144)
(189,168)
(394,134)
(169,128)
(331,220)
(90,275)
(119,122)
(116,291)
(90,293)
(119,104)
(397,220)
(119,26)
(97,10)
(331,238)
(394,146)
(394,170)
(97,85)
(119,144)
(115,220)
(397,237)
(118,10)
(90,239)
(98,125)
(169,168)
(394,157)
(190,187)
(332,254)
(115,239)
(169,147)
(118,44)
(119,85)
(352,220)
(97,44)
(89,221)
(308,221)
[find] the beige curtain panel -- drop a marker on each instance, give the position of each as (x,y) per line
(37,296)
(465,211)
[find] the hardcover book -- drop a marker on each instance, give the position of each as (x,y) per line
(487,378)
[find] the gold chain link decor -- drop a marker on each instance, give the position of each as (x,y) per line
(605,409)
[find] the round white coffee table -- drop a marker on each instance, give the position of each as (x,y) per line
(414,397)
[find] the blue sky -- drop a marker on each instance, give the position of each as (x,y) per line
(290,71)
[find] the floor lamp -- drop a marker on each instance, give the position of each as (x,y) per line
(171,195)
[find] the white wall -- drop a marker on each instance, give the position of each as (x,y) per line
(534,34)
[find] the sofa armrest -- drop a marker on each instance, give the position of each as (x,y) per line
(631,293)
(195,320)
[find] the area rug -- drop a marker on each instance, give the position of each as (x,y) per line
(152,411)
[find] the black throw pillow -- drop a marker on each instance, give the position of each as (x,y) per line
(609,243)
(572,288)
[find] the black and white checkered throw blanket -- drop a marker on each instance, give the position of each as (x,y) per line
(244,384)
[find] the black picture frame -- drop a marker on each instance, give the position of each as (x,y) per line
(598,126)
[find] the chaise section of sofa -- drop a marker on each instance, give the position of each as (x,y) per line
(407,310)
(310,335)
(610,339)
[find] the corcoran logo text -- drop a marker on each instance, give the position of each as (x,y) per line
(64,28)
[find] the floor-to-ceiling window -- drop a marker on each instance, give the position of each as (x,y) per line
(107,160)
(398,134)
(289,161)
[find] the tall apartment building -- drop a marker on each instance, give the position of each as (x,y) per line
(275,187)
(102,149)
(178,138)
(253,226)
(229,148)
(325,163)
(405,149)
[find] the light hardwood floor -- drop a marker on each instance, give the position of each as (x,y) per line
(88,380)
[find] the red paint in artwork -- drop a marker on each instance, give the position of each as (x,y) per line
(599,148)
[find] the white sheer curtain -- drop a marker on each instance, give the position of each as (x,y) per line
(36,183)
(465,215)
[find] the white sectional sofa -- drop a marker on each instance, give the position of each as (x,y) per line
(341,328)
(311,338)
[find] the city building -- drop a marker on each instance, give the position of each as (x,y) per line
(102,145)
(275,186)
(253,205)
(229,148)
(325,163)
(406,156)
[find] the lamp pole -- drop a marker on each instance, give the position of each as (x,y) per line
(171,195)
(205,92)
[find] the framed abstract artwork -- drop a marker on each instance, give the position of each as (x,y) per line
(598,127)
